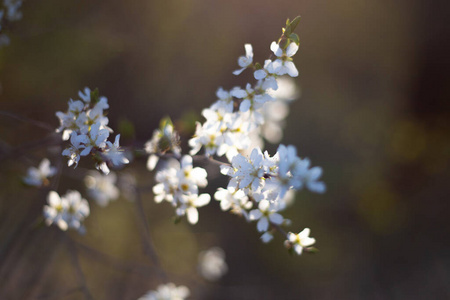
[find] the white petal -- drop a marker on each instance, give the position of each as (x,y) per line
(192,215)
(275,48)
(266,237)
(202,200)
(291,49)
(308,242)
(86,151)
(276,218)
(237,72)
(260,74)
(316,187)
(263,224)
(245,105)
(298,249)
(248,50)
(291,237)
(263,205)
(152,161)
(255,214)
(62,224)
(238,93)
(53,198)
(291,69)
(304,233)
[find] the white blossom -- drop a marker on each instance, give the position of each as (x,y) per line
(68,211)
(78,142)
(12,9)
(113,156)
(283,64)
(300,240)
(39,176)
(247,173)
(245,61)
(265,214)
(189,206)
(233,199)
(178,184)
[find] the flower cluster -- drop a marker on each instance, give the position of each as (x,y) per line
(178,184)
(266,180)
(234,122)
(167,292)
(68,211)
(39,176)
(86,125)
(9,13)
(260,186)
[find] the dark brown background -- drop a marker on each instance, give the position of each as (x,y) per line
(374,113)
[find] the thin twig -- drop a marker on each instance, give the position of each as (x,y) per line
(149,247)
(20,150)
(79,272)
(27,120)
(114,262)
(60,294)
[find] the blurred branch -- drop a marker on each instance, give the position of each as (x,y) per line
(79,272)
(60,295)
(99,256)
(147,240)
(27,120)
(14,152)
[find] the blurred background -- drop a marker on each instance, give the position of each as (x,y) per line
(373,112)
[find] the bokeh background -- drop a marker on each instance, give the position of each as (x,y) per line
(373,112)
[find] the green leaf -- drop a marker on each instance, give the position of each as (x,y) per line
(258,66)
(294,23)
(95,96)
(294,38)
(312,250)
(291,251)
(164,122)
(126,129)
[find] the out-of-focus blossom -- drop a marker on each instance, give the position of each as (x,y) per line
(211,264)
(39,176)
(167,292)
(101,188)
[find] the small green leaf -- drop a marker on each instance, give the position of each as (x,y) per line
(294,23)
(176,220)
(294,38)
(287,31)
(39,223)
(95,96)
(164,122)
(291,251)
(312,250)
(258,66)
(126,129)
